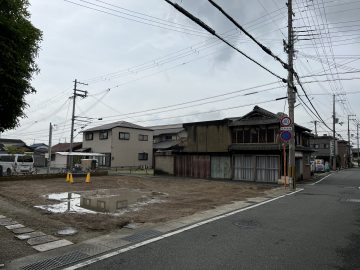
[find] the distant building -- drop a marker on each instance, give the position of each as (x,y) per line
(62,161)
(168,137)
(124,144)
(40,151)
(322,150)
(15,144)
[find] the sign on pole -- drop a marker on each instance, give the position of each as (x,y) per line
(285,135)
(285,121)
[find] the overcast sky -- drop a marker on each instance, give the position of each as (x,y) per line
(143,55)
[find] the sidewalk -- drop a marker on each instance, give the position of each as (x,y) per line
(132,234)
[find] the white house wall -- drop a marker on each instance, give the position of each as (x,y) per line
(125,152)
(59,162)
(97,145)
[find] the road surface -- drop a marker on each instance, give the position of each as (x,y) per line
(317,228)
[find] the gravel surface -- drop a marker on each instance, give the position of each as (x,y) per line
(173,197)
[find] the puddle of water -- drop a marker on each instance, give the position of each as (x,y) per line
(69,202)
(114,201)
(67,231)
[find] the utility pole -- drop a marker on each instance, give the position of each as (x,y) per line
(49,151)
(79,93)
(291,96)
(334,138)
(315,124)
(349,157)
(357,137)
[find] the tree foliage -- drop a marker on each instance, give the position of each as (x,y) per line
(15,150)
(19,46)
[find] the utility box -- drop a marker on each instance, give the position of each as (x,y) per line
(88,164)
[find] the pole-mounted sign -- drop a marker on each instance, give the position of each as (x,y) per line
(285,128)
(285,121)
(285,135)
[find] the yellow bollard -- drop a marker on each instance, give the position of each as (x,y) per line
(71,179)
(68,177)
(87,180)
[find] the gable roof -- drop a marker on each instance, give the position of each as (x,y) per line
(36,145)
(260,116)
(65,147)
(117,124)
(12,141)
(256,116)
(167,129)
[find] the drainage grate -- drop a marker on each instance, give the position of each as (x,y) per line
(47,264)
(141,236)
(56,262)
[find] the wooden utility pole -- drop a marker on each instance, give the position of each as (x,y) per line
(349,140)
(291,96)
(357,137)
(49,150)
(82,94)
(315,125)
(334,139)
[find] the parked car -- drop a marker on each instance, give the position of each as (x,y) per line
(16,164)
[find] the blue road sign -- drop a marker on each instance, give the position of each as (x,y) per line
(285,135)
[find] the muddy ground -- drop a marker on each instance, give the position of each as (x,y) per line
(172,198)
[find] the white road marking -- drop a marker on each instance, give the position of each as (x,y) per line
(320,180)
(117,252)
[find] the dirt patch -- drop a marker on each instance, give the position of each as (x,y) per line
(173,198)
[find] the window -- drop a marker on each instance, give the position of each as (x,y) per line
(124,136)
(262,135)
(25,159)
(89,136)
(240,136)
(270,133)
(143,137)
(254,135)
(103,135)
(7,158)
(143,156)
(316,146)
(233,137)
(167,137)
(246,135)
(326,146)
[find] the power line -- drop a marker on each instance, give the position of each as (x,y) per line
(264,48)
(138,21)
(197,100)
(213,32)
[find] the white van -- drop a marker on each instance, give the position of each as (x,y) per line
(16,163)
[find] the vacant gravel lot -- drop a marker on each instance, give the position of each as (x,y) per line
(171,198)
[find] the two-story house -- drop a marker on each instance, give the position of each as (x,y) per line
(245,148)
(124,144)
(257,150)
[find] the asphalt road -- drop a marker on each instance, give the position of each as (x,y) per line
(318,228)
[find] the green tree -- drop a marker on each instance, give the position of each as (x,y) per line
(19,45)
(14,150)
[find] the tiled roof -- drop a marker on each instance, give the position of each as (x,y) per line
(65,147)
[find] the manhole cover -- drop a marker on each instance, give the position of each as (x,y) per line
(67,231)
(247,224)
